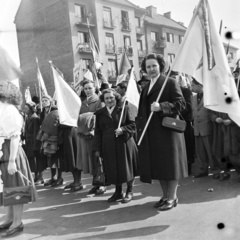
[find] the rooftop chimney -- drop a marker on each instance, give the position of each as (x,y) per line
(167,15)
(152,11)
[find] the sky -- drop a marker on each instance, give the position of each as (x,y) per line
(181,11)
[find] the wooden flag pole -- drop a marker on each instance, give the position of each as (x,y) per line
(150,117)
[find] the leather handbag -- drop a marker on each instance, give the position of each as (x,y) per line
(99,178)
(17,195)
(174,124)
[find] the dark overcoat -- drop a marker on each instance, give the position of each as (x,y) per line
(187,115)
(32,146)
(162,152)
(119,153)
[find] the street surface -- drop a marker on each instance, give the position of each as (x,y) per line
(59,214)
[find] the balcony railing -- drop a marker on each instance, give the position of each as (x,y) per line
(129,51)
(162,43)
(84,47)
(110,49)
(126,26)
(141,53)
(82,21)
(111,73)
(140,31)
(108,23)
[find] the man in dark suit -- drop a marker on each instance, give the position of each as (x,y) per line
(203,131)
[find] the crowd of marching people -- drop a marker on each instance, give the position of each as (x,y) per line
(211,138)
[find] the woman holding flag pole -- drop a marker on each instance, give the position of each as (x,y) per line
(162,152)
(114,131)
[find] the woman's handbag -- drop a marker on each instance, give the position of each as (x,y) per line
(99,178)
(17,195)
(174,124)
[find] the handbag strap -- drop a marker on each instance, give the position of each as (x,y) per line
(22,176)
(179,112)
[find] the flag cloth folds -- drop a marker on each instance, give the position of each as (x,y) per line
(202,55)
(88,75)
(8,68)
(124,64)
(132,94)
(41,84)
(68,102)
(28,97)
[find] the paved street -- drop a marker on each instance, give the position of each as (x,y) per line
(59,214)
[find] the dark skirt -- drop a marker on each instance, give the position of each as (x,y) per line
(68,150)
(16,180)
(190,142)
(41,161)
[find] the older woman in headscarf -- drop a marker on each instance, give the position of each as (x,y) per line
(37,161)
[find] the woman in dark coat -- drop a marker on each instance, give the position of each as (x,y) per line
(37,160)
(53,161)
(188,117)
(162,152)
(69,145)
(116,145)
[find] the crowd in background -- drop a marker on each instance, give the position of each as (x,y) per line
(211,138)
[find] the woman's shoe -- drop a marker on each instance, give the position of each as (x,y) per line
(93,190)
(5,226)
(13,232)
(128,197)
(49,182)
(160,203)
(69,186)
(76,188)
(57,183)
(169,205)
(115,197)
(100,190)
(39,182)
(224,176)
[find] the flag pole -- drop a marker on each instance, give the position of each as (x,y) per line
(165,82)
(120,121)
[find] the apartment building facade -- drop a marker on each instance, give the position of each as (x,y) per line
(58,30)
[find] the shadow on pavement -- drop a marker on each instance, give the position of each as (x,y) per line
(137,232)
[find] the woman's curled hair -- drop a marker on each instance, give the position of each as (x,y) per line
(160,59)
(110,90)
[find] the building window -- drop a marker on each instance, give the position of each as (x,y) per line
(171,57)
(85,64)
(154,36)
(107,17)
(124,15)
(79,11)
(180,39)
(231,54)
(170,37)
(139,45)
(131,62)
(110,43)
(82,37)
(111,68)
(137,22)
(127,41)
(109,39)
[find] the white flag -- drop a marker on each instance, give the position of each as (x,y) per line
(132,94)
(202,56)
(88,75)
(28,97)
(68,102)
